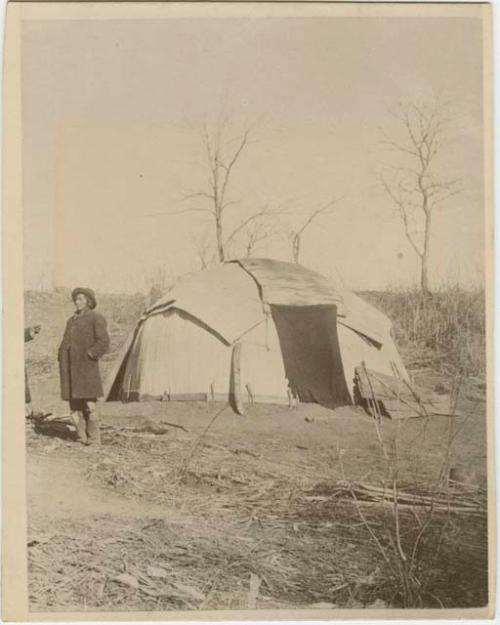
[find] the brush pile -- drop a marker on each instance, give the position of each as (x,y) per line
(454,500)
(242,521)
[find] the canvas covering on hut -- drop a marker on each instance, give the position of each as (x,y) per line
(299,339)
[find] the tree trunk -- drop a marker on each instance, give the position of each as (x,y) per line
(220,243)
(424,279)
(296,248)
(424,265)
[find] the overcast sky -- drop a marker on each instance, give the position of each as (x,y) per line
(112,117)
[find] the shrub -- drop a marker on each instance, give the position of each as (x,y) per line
(447,326)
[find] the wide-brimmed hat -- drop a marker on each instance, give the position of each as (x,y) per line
(89,294)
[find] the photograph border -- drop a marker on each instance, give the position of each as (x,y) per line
(14,587)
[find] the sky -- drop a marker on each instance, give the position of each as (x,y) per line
(113,112)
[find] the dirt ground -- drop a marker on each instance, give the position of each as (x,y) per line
(232,512)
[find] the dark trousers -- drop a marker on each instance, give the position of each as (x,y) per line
(86,420)
(80,404)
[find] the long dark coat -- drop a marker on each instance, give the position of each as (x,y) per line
(85,341)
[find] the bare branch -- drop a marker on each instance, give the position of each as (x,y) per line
(230,203)
(180,212)
(190,196)
(257,232)
(232,163)
(403,213)
(296,234)
(319,211)
(264,212)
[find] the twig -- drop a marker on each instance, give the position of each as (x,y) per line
(364,519)
(174,425)
(376,416)
(416,397)
(396,518)
(199,439)
(398,397)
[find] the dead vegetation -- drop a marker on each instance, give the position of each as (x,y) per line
(237,510)
(281,508)
(442,331)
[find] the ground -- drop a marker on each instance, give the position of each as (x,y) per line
(228,511)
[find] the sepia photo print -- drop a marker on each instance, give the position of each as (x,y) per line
(248,248)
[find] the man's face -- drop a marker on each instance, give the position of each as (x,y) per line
(80,301)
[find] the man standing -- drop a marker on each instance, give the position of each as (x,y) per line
(29,335)
(85,340)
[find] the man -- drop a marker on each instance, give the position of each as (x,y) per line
(29,335)
(85,340)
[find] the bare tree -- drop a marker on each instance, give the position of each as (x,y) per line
(256,233)
(416,186)
(248,236)
(296,234)
(248,228)
(262,217)
(222,157)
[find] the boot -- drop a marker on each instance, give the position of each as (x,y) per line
(93,429)
(80,424)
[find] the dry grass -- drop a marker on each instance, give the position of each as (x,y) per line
(313,554)
(240,506)
(444,330)
(232,512)
(226,525)
(69,566)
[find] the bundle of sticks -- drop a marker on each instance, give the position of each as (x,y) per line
(367,494)
(53,425)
